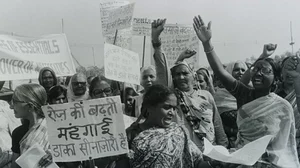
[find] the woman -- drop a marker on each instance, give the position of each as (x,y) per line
(47,78)
(26,102)
(100,87)
(57,95)
(260,111)
(197,110)
(226,103)
(77,89)
(205,80)
(158,141)
(8,123)
(290,90)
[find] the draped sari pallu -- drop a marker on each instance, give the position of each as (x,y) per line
(202,109)
(269,115)
(164,148)
(35,135)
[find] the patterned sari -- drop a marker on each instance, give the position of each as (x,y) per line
(269,115)
(35,135)
(164,148)
(291,98)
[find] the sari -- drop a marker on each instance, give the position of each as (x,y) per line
(202,106)
(291,98)
(37,134)
(8,123)
(269,115)
(164,148)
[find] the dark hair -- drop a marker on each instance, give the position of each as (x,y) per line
(97,80)
(276,71)
(56,91)
(283,61)
(155,95)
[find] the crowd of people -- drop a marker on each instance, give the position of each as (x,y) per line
(175,110)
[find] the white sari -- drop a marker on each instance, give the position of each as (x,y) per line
(270,115)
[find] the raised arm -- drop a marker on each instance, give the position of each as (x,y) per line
(268,50)
(204,34)
(293,69)
(162,70)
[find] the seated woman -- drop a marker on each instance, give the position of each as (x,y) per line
(57,95)
(260,112)
(26,102)
(158,141)
(197,110)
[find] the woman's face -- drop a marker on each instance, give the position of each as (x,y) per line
(202,82)
(79,85)
(262,75)
(148,78)
(285,77)
(238,71)
(21,108)
(101,89)
(59,100)
(183,78)
(47,79)
(162,114)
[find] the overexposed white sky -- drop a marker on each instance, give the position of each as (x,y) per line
(240,27)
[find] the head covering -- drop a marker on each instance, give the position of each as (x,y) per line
(41,75)
(178,63)
(229,67)
(70,94)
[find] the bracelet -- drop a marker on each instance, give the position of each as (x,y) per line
(211,50)
(157,44)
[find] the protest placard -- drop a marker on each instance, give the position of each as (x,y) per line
(121,64)
(123,39)
(120,18)
(23,57)
(105,7)
(141,26)
(175,39)
(86,130)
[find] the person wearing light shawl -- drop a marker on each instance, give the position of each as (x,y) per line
(226,103)
(47,78)
(197,111)
(205,80)
(291,92)
(260,112)
(77,89)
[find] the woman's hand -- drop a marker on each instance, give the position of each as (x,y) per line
(203,32)
(46,160)
(188,53)
(268,50)
(156,28)
(292,67)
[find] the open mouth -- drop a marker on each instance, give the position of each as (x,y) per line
(257,80)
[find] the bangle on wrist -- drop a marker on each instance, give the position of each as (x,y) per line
(156,44)
(209,51)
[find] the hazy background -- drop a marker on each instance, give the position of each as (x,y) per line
(240,28)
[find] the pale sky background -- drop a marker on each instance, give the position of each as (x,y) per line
(240,27)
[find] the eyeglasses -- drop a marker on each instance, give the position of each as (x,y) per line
(79,83)
(263,70)
(107,91)
(14,101)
